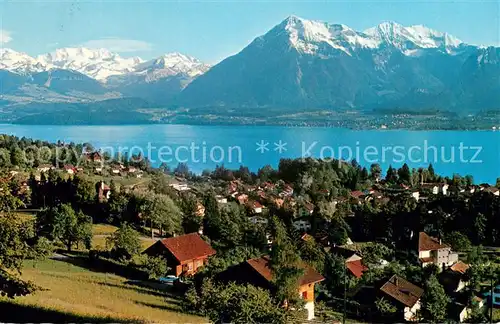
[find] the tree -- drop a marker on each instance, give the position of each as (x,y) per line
(458,241)
(385,307)
(85,192)
(164,213)
(155,267)
(285,264)
(434,301)
(14,234)
(405,174)
(391,176)
(375,171)
(8,201)
(234,303)
(124,243)
(64,224)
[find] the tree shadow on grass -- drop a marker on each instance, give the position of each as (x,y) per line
(105,266)
(14,313)
(165,307)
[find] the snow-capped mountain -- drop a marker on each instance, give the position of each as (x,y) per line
(20,63)
(94,72)
(310,36)
(101,64)
(95,63)
(308,64)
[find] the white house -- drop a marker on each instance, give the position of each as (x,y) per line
(433,251)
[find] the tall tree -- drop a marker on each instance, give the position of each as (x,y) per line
(434,301)
(285,264)
(162,211)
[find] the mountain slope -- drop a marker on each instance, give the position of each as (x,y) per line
(305,64)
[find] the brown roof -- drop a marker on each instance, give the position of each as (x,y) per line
(460,267)
(357,268)
(429,243)
(402,290)
(261,265)
(188,247)
(356,194)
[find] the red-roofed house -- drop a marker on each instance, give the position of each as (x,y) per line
(405,294)
(184,254)
(432,251)
(356,267)
(257,272)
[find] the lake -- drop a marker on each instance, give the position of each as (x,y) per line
(203,147)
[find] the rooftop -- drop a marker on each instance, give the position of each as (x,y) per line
(188,247)
(402,290)
(429,243)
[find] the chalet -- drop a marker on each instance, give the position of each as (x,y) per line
(432,251)
(454,278)
(93,156)
(255,207)
(257,272)
(287,191)
(353,262)
(405,295)
(185,253)
(242,199)
(103,191)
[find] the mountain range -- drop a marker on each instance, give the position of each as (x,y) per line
(299,65)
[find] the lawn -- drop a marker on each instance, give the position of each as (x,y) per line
(102,231)
(74,293)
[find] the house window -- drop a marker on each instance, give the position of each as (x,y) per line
(304,294)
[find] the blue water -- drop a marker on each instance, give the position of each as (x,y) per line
(236,145)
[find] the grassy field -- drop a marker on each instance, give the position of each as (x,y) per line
(102,231)
(73,291)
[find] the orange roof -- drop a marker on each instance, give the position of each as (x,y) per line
(261,265)
(356,267)
(428,243)
(402,290)
(460,267)
(356,194)
(188,247)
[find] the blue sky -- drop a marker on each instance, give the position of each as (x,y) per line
(213,30)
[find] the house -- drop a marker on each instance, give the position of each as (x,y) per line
(353,262)
(200,210)
(93,156)
(493,190)
(115,170)
(433,251)
(356,194)
(458,309)
(405,295)
(185,253)
(70,169)
(454,279)
(180,186)
(103,191)
(416,195)
(302,224)
(255,207)
(258,273)
(436,188)
(220,199)
(45,168)
(242,199)
(287,191)
(306,209)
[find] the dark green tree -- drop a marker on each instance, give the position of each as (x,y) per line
(434,301)
(124,243)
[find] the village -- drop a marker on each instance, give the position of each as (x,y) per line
(363,248)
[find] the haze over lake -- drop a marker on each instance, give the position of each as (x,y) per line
(203,147)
